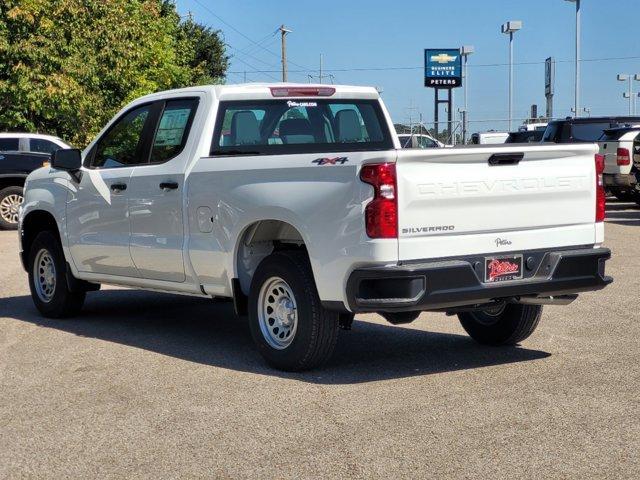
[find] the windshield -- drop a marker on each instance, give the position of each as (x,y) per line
(299,126)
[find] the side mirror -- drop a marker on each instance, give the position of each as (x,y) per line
(69,159)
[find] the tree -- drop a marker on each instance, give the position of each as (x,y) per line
(67,66)
(205,53)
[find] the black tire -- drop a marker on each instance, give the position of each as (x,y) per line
(62,302)
(8,214)
(503,326)
(316,332)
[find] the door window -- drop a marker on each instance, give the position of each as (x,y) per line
(9,144)
(173,129)
(121,146)
(40,145)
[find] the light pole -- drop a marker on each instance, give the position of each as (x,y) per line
(577,59)
(465,51)
(510,28)
(624,77)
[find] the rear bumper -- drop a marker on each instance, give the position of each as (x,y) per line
(442,284)
(619,180)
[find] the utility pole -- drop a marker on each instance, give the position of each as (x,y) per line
(283,32)
(465,51)
(321,68)
(624,77)
(576,105)
(510,28)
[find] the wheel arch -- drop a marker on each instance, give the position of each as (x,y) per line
(34,222)
(12,181)
(258,240)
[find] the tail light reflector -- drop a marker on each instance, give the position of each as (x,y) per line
(381,214)
(623,157)
(600,193)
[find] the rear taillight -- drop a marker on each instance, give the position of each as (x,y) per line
(600,194)
(381,214)
(623,157)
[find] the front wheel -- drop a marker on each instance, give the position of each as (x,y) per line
(47,279)
(508,324)
(288,324)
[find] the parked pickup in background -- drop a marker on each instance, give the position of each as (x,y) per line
(297,202)
(621,149)
(20,154)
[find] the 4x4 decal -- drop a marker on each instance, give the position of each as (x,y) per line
(331,161)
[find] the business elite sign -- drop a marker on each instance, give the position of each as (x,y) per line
(442,68)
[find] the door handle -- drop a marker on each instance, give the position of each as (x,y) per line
(118,187)
(169,185)
(505,159)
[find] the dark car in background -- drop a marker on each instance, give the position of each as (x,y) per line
(588,129)
(529,136)
(20,154)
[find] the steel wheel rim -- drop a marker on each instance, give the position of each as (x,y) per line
(44,275)
(277,313)
(10,207)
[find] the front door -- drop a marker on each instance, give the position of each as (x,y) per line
(97,212)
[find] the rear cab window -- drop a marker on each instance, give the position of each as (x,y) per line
(287,126)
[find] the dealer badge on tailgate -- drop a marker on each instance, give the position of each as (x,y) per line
(502,269)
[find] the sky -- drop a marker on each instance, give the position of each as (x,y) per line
(381,43)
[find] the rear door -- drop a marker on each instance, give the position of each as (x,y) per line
(494,199)
(156,195)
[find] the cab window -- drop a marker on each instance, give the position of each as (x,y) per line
(173,129)
(121,146)
(299,126)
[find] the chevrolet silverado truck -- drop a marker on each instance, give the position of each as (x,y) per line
(621,149)
(297,202)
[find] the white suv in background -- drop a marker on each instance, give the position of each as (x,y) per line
(418,140)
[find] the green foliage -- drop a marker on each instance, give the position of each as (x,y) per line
(66,66)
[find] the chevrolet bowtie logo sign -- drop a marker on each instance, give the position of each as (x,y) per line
(442,68)
(443,58)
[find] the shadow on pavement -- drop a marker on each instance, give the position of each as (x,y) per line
(205,332)
(623,213)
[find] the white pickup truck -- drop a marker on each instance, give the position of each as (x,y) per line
(297,202)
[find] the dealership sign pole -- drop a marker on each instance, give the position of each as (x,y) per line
(443,71)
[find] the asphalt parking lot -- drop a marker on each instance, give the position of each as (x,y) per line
(148,385)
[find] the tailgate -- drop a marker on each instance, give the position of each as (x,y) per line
(453,202)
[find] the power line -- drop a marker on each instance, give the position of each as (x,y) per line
(245,36)
(372,69)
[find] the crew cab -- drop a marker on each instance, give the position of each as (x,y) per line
(621,149)
(297,202)
(20,154)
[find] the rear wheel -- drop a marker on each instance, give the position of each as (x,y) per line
(508,324)
(47,279)
(288,324)
(10,200)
